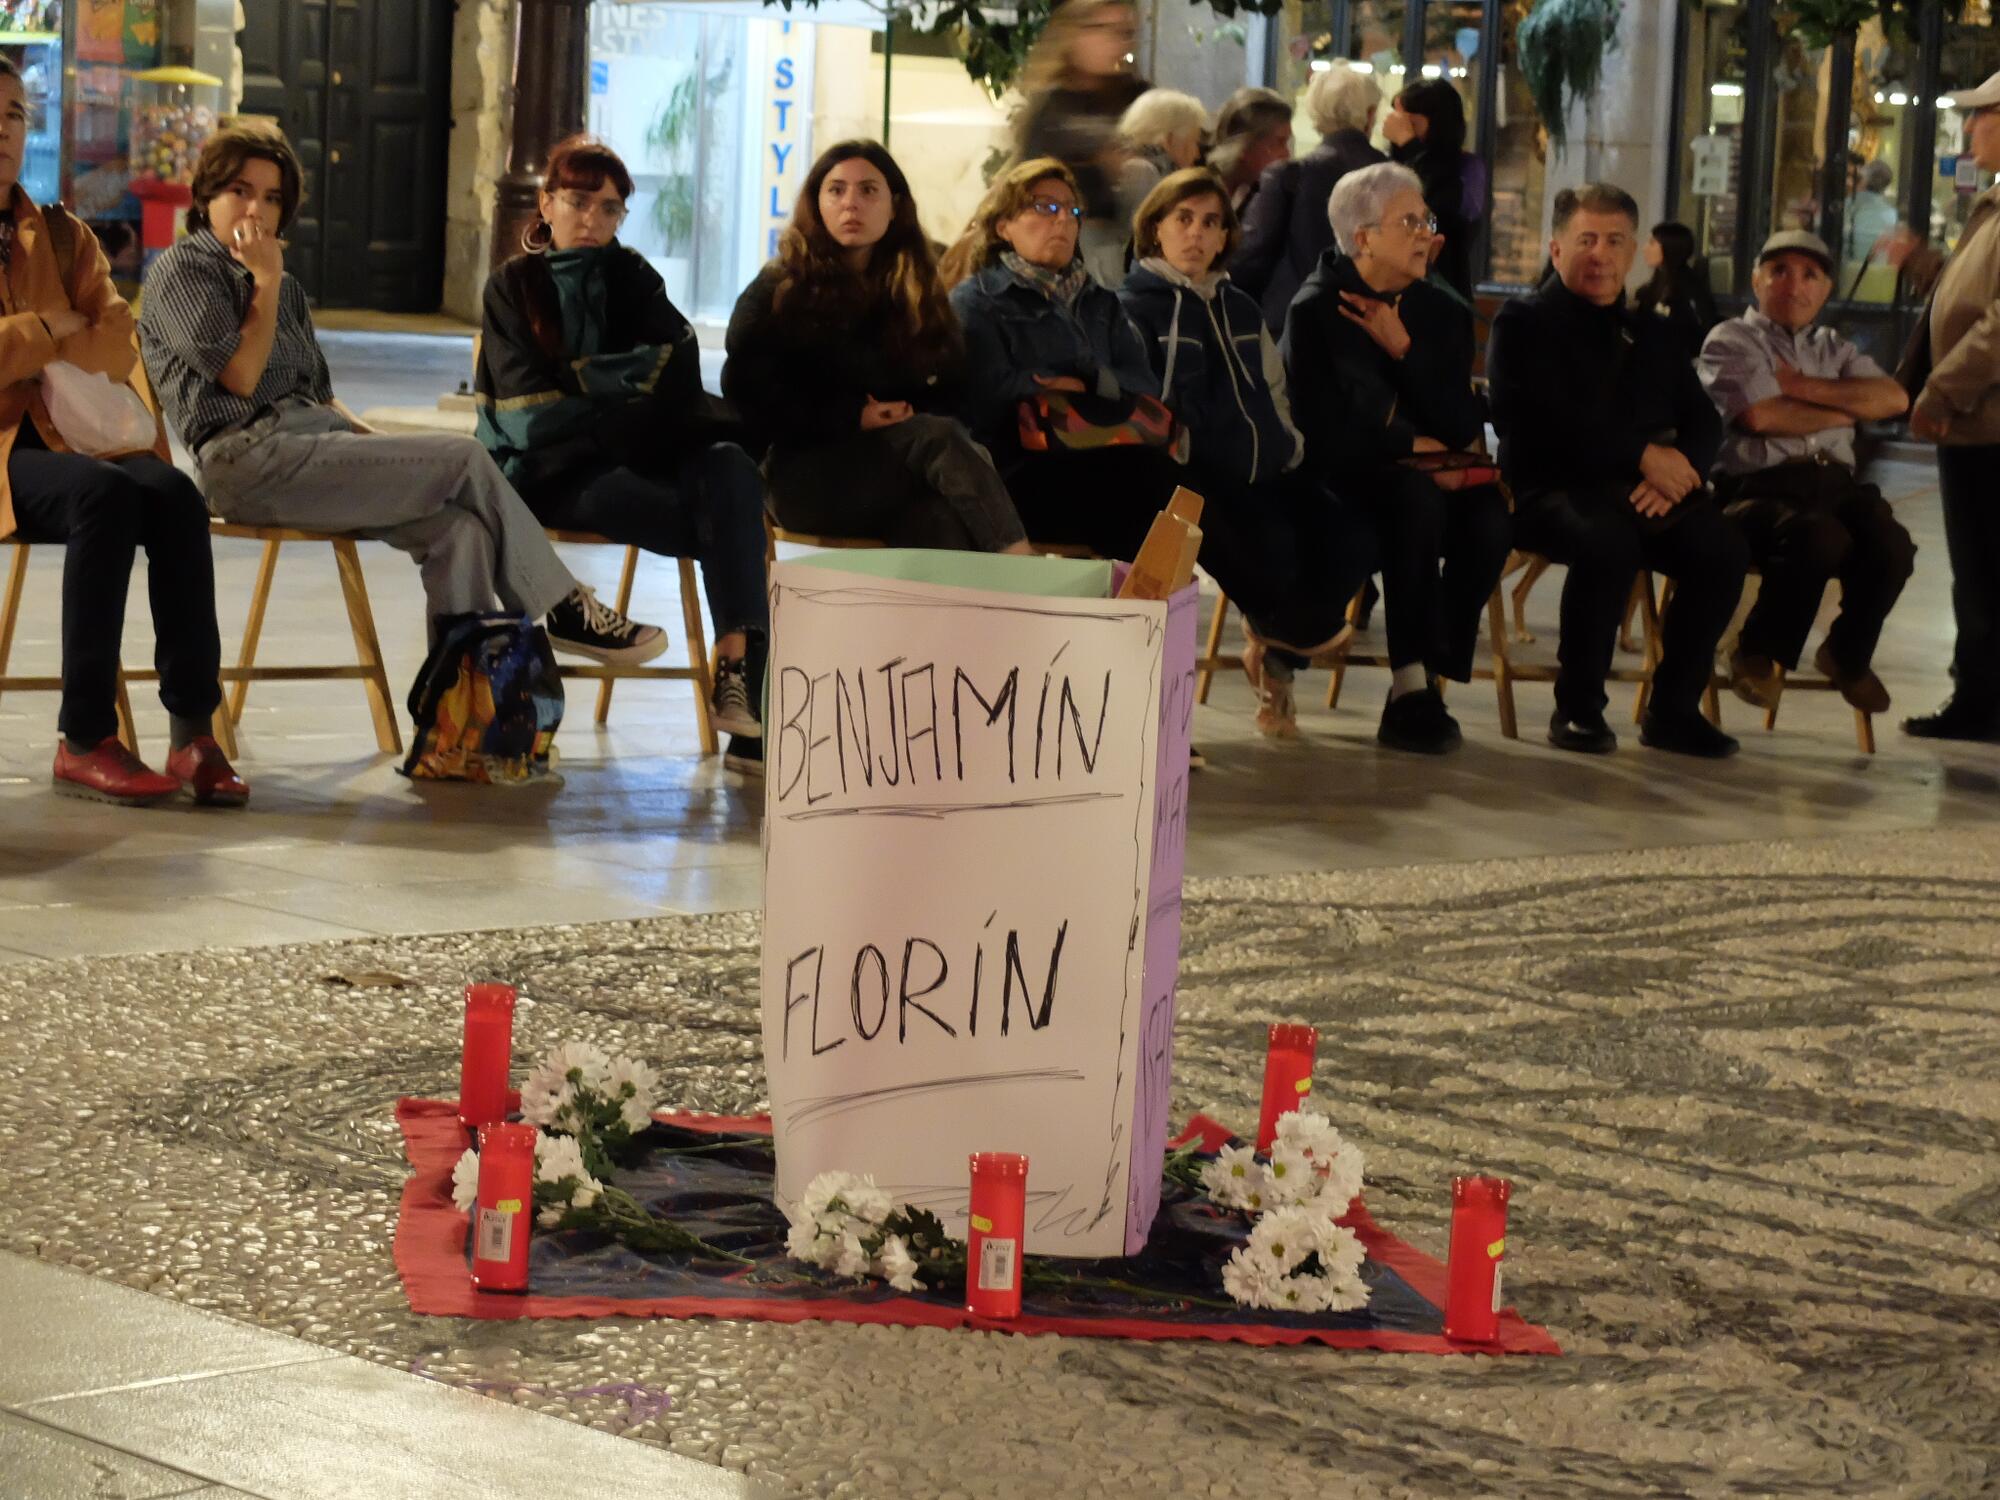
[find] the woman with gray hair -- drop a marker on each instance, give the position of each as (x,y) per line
(1285,228)
(1253,130)
(1161,130)
(1380,366)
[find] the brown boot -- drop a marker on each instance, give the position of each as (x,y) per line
(1864,691)
(1757,680)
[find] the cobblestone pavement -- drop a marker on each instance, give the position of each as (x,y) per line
(1747,1095)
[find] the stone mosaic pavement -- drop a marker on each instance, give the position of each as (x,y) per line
(1749,1096)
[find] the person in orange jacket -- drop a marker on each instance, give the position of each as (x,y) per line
(57,303)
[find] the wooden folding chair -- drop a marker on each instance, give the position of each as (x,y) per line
(10,614)
(1505,671)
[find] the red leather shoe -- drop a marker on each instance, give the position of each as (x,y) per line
(202,768)
(110,773)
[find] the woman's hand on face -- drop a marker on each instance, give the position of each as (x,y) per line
(1060,383)
(63,324)
(1379,320)
(263,255)
(878,414)
(1398,129)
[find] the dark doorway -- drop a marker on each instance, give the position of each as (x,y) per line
(363,90)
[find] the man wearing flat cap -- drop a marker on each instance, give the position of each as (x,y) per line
(1791,393)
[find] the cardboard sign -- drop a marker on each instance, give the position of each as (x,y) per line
(974,829)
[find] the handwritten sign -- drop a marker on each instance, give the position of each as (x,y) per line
(969,939)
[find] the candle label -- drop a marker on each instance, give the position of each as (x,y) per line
(1496,1288)
(1304,1085)
(996,1265)
(495,1236)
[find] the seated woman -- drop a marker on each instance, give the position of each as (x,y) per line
(1161,133)
(229,344)
(1061,389)
(1290,557)
(61,305)
(1381,369)
(845,358)
(590,400)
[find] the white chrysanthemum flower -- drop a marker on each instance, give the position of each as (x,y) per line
(868,1202)
(805,1242)
(585,1195)
(636,1090)
(465,1181)
(898,1264)
(1286,1236)
(820,1193)
(1234,1177)
(1248,1280)
(550,1089)
(557,1157)
(1290,1177)
(852,1258)
(1337,1161)
(551,1216)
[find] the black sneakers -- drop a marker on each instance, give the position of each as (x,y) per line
(583,627)
(1959,719)
(1685,733)
(1586,734)
(1418,722)
(744,756)
(739,691)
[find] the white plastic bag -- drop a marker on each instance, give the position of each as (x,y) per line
(94,416)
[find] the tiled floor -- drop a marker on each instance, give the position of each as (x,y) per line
(142,1399)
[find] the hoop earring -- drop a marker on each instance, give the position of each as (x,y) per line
(529,245)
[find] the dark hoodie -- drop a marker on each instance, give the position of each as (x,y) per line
(1219,371)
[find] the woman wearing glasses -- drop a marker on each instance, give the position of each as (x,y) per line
(589,397)
(1061,389)
(1381,379)
(844,356)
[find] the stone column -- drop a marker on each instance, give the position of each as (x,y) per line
(551,75)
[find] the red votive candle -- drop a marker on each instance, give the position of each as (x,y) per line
(504,1216)
(488,1056)
(1478,1240)
(994,1236)
(1288,1077)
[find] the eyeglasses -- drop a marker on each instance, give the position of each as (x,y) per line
(1426,224)
(601,209)
(1050,210)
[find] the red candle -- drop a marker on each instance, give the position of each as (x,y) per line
(488,1056)
(1288,1077)
(504,1217)
(1478,1240)
(994,1240)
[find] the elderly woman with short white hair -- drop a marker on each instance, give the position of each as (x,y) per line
(1285,227)
(1161,132)
(1380,367)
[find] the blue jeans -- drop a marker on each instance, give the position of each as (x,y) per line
(711,509)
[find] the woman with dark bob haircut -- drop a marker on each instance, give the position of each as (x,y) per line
(589,398)
(229,343)
(846,358)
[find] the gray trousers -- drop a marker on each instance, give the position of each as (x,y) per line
(437,497)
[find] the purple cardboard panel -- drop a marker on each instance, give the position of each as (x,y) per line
(1163,918)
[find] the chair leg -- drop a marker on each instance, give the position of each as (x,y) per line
(625,577)
(1649,614)
(1771,713)
(1503,668)
(10,603)
(367,649)
(1529,579)
(128,732)
(246,658)
(698,662)
(1864,731)
(770,540)
(1207,674)
(223,730)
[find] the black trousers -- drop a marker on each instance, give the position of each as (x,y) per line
(1432,612)
(921,483)
(1807,523)
(1967,477)
(103,512)
(1104,498)
(1289,554)
(1603,542)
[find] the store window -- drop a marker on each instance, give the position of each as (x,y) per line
(1971,55)
(1798,129)
(1518,156)
(1882,118)
(1452,38)
(1711,162)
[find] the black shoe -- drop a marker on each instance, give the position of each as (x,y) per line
(1959,719)
(1417,722)
(744,756)
(1685,733)
(1587,734)
(583,627)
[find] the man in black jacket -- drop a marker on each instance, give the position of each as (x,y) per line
(1605,435)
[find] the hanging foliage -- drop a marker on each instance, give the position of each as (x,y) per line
(1820,23)
(1561,44)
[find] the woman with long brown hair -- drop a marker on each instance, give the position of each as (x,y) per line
(1061,390)
(589,397)
(846,358)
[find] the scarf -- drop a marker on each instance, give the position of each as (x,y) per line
(579,282)
(1060,287)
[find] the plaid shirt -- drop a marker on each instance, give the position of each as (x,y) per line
(190,325)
